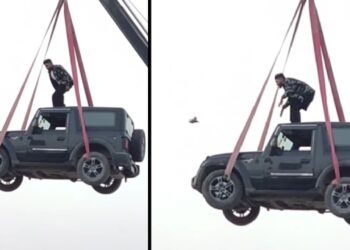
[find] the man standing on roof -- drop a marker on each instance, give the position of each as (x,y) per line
(299,95)
(61,81)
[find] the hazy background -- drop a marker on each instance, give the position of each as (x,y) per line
(210,60)
(61,214)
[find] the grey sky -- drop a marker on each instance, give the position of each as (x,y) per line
(210,60)
(61,214)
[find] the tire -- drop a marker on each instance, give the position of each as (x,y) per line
(94,170)
(109,186)
(9,184)
(138,145)
(4,162)
(241,216)
(347,220)
(221,193)
(337,198)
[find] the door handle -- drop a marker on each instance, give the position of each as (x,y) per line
(61,138)
(268,160)
(305,161)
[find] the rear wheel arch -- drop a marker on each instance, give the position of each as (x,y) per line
(95,146)
(328,175)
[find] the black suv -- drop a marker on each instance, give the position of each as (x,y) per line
(293,172)
(53,148)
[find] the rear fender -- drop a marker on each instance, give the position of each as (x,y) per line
(79,149)
(328,174)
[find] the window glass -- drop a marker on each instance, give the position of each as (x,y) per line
(341,136)
(43,123)
(99,119)
(129,126)
(300,140)
(283,142)
(51,121)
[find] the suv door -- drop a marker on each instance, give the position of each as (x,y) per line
(289,164)
(48,139)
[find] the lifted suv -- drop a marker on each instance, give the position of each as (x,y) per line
(53,148)
(293,172)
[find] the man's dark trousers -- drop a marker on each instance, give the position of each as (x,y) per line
(295,106)
(58,98)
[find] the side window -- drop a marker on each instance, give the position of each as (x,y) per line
(50,122)
(129,126)
(99,119)
(341,137)
(294,140)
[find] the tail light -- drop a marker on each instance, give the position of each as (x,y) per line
(125,143)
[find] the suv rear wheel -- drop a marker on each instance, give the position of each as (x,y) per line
(138,145)
(337,198)
(94,170)
(221,192)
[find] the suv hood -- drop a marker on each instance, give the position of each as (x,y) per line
(223,158)
(13,135)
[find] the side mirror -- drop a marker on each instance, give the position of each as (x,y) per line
(276,151)
(37,130)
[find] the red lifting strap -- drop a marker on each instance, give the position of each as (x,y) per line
(71,46)
(14,106)
(232,160)
(315,25)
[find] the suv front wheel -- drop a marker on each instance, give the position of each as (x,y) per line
(94,170)
(221,192)
(10,183)
(109,186)
(241,216)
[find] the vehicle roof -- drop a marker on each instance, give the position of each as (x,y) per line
(84,108)
(303,124)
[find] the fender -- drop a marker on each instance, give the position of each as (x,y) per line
(10,151)
(328,170)
(216,162)
(241,170)
(80,145)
